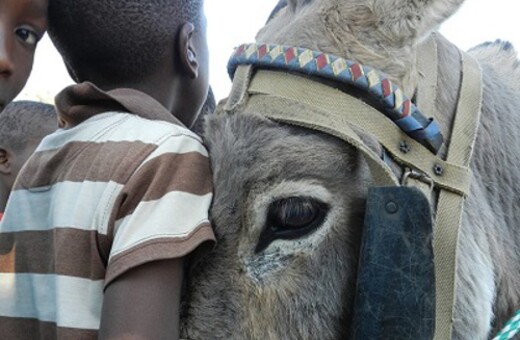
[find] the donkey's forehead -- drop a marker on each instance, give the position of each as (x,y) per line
(247,148)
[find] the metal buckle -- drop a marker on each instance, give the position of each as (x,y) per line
(411,173)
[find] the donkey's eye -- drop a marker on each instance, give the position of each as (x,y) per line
(294,213)
(291,218)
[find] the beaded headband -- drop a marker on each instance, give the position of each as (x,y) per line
(397,106)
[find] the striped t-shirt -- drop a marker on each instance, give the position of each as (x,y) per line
(94,201)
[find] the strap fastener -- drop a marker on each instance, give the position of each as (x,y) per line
(410,173)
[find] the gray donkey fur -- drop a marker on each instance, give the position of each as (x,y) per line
(303,288)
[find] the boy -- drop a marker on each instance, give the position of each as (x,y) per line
(23,124)
(106,209)
(22,24)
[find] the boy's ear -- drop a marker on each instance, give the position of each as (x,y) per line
(187,50)
(5,163)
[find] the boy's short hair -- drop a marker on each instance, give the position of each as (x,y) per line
(115,41)
(23,121)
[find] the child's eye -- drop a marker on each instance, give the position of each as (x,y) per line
(27,36)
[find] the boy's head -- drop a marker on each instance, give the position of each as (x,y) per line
(156,46)
(22,126)
(22,24)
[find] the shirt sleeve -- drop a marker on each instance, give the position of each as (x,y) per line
(164,207)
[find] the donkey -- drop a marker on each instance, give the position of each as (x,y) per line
(298,281)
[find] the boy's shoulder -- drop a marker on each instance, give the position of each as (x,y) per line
(159,133)
(160,127)
(124,126)
(121,134)
(119,123)
(111,147)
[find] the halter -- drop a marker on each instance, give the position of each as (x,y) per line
(397,106)
(268,81)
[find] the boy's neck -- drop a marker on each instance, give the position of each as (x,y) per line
(163,94)
(162,91)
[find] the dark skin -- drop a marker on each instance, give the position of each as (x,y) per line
(144,302)
(22,24)
(11,161)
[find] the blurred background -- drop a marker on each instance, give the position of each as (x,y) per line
(232,22)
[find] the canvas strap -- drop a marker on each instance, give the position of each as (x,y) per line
(293,112)
(427,63)
(391,100)
(450,206)
(425,97)
(335,110)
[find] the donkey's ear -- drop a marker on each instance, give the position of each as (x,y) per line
(430,14)
(292,4)
(399,21)
(281,5)
(295,5)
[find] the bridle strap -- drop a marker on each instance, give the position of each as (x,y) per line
(427,64)
(425,99)
(450,207)
(394,104)
(299,101)
(293,112)
(335,109)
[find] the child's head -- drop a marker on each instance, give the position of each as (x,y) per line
(156,46)
(22,126)
(22,24)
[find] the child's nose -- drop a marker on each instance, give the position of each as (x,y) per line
(6,60)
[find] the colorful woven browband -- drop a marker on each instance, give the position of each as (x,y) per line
(398,107)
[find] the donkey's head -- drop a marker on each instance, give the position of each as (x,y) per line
(288,210)
(289,202)
(383,34)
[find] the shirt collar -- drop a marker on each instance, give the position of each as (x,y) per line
(77,103)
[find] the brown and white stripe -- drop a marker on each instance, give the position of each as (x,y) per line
(93,202)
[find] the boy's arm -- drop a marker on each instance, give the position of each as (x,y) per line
(160,216)
(143,303)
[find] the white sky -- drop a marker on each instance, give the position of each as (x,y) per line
(232,22)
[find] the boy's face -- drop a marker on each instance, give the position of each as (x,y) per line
(22,24)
